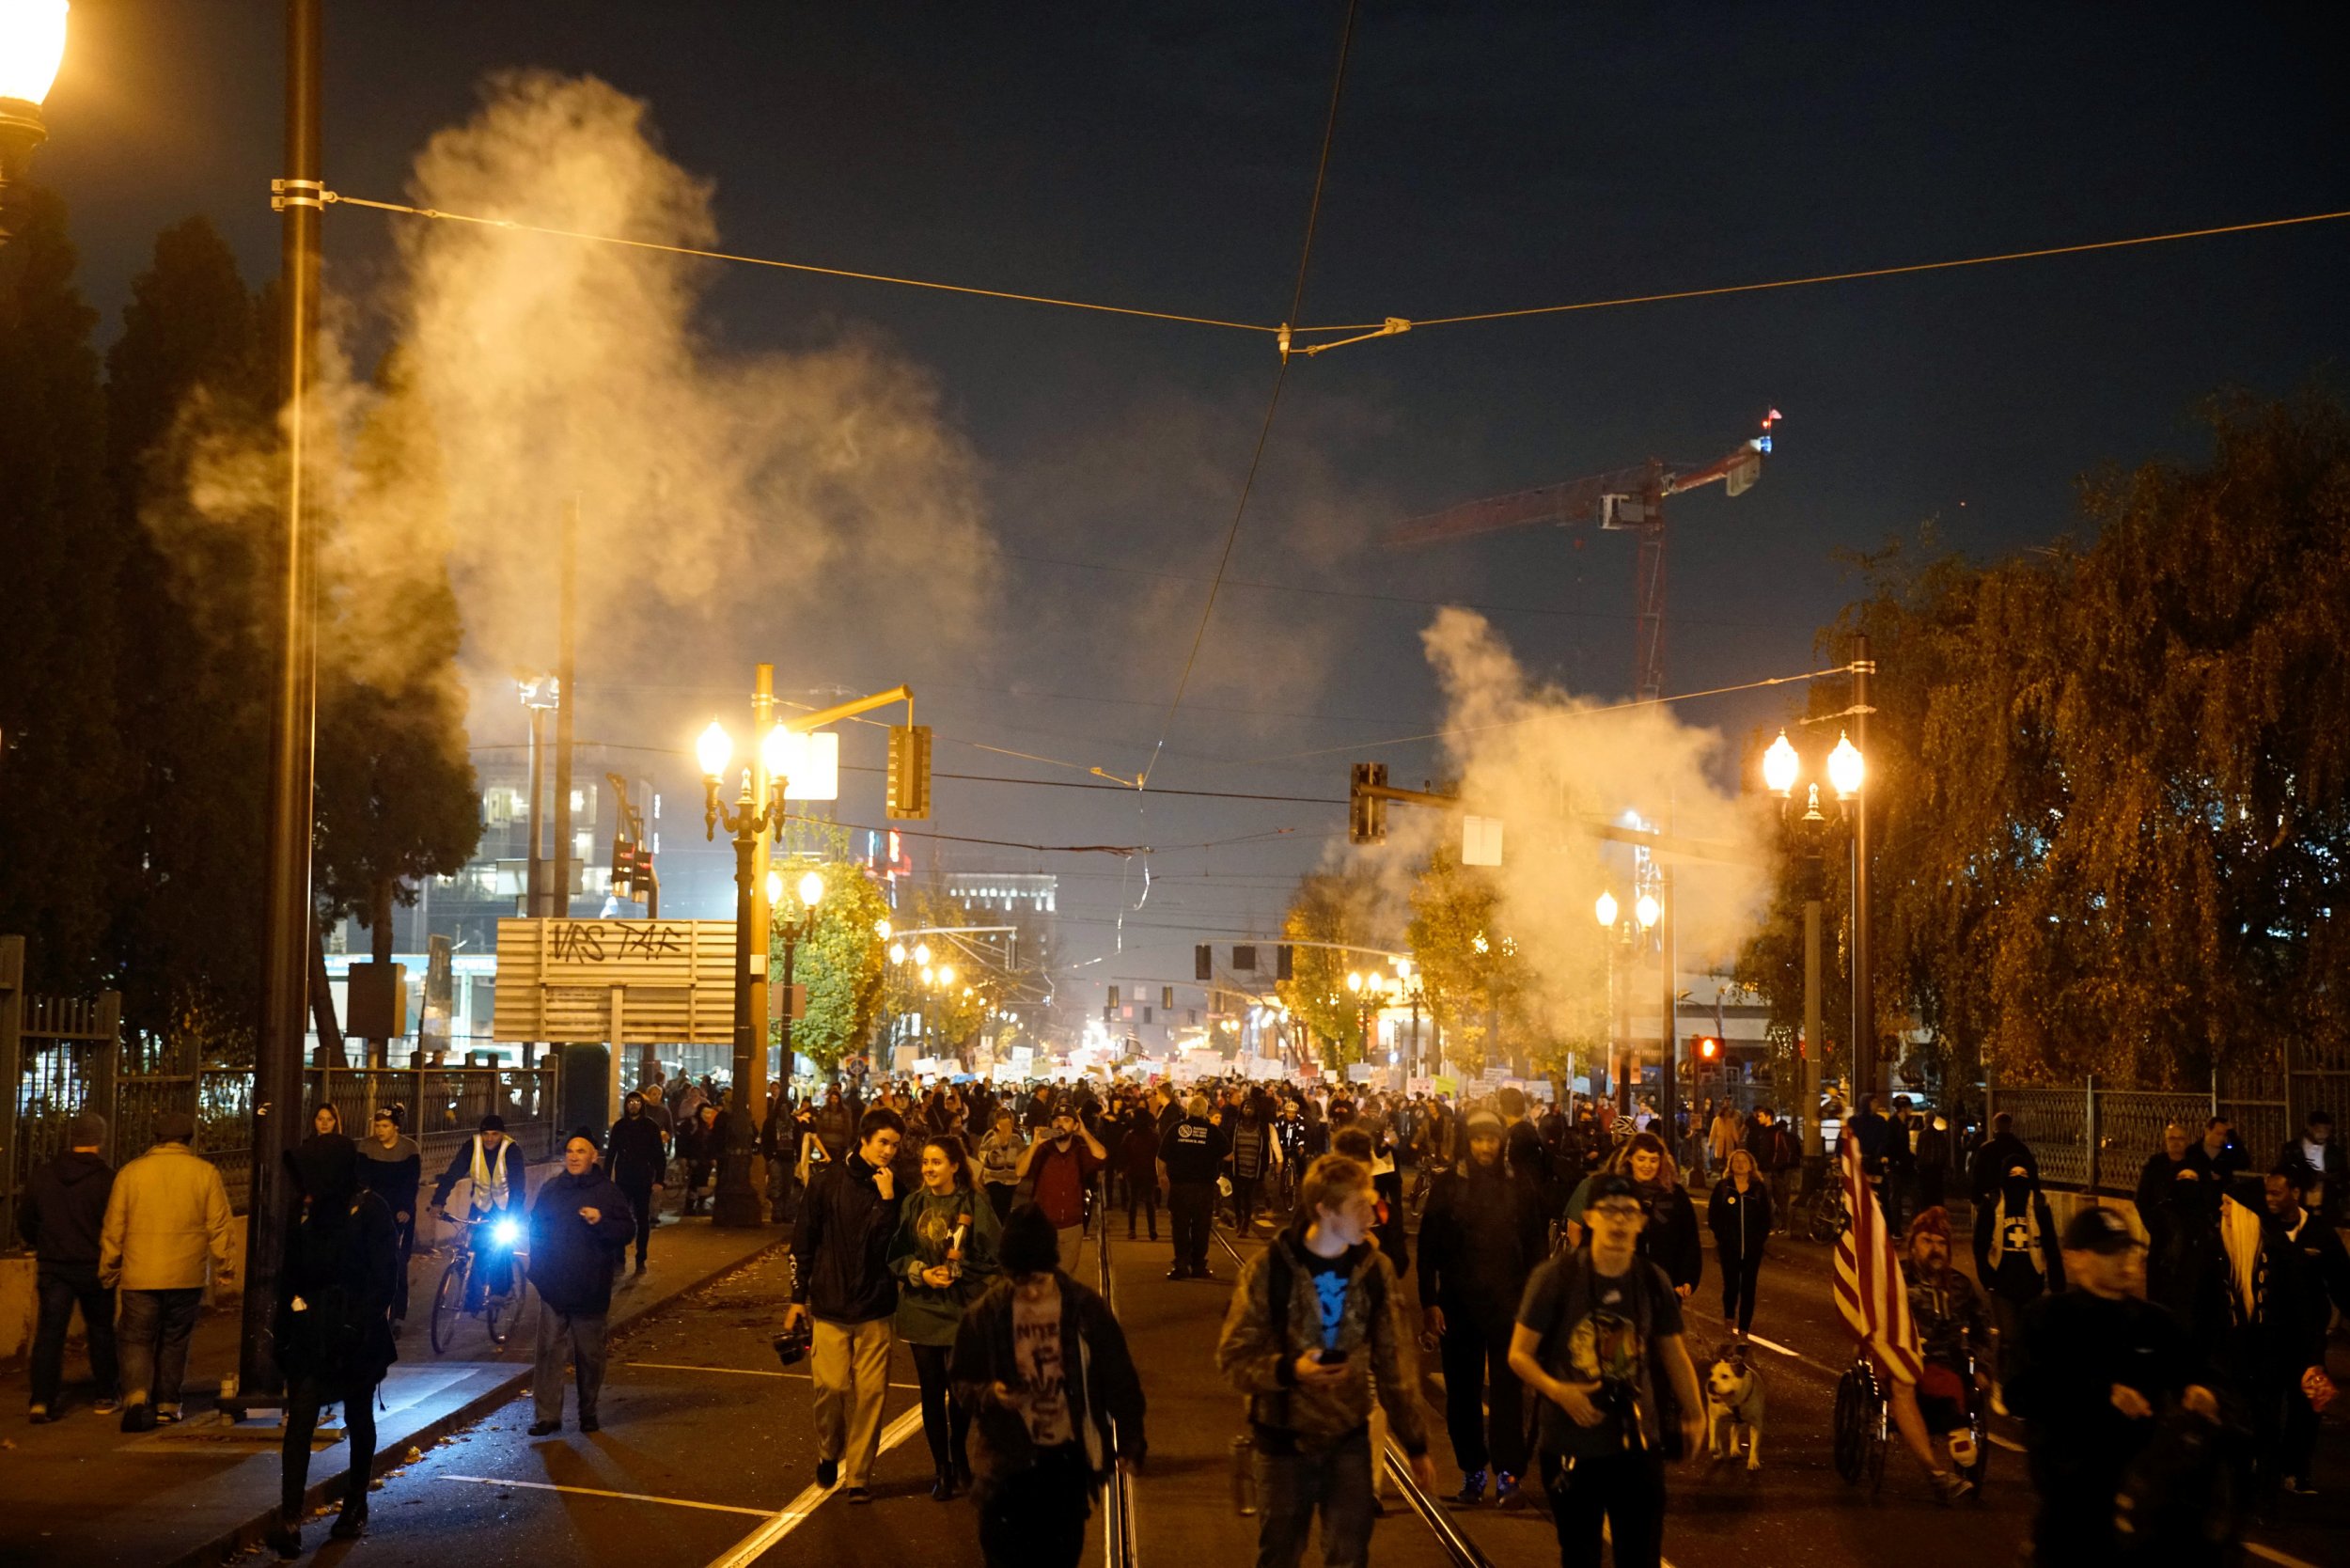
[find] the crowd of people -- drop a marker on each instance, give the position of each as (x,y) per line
(1556,1256)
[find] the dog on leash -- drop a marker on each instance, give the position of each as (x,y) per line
(1733,1407)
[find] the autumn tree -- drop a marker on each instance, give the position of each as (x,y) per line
(1341,909)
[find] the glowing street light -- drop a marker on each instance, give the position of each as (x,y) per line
(811,889)
(1605,909)
(1355,981)
(946,976)
(713,750)
(881,929)
(897,952)
(922,954)
(1780,765)
(32,47)
(1647,911)
(1846,769)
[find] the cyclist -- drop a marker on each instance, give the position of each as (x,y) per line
(492,1164)
(1955,1339)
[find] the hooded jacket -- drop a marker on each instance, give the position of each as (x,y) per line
(571,1262)
(393,1174)
(1258,1354)
(166,1216)
(1482,1235)
(64,1211)
(840,1251)
(341,1264)
(1104,1394)
(635,1153)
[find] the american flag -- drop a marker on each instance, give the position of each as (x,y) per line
(1870,1291)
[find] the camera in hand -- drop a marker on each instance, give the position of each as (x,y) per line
(792,1344)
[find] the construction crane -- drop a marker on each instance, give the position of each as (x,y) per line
(1623,500)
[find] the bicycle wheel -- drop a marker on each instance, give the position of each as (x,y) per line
(448,1303)
(1855,1394)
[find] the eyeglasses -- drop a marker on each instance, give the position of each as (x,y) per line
(1617,1210)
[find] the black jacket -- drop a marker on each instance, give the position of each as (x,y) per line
(571,1262)
(345,1276)
(634,1152)
(1741,1221)
(1104,1394)
(1193,1149)
(1669,1239)
(65,1208)
(1480,1236)
(393,1174)
(840,1251)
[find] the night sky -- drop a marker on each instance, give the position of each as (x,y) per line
(1486,157)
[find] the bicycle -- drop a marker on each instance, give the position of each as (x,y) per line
(448,1297)
(1827,1218)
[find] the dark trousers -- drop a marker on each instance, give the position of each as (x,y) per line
(945,1421)
(1036,1517)
(1739,1275)
(2073,1522)
(60,1291)
(153,1341)
(584,1335)
(1143,1195)
(999,1199)
(640,1195)
(1190,1212)
(405,1238)
(1244,1201)
(1473,1360)
(303,1401)
(1335,1483)
(1626,1491)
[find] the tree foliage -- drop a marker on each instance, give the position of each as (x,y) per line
(2112,779)
(1341,908)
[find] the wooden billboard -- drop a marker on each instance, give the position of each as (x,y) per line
(644,982)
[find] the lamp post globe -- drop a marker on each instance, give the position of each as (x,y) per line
(897,952)
(1606,910)
(1780,765)
(32,47)
(946,976)
(713,750)
(1647,911)
(811,889)
(1846,769)
(922,955)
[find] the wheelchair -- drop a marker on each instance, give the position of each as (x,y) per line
(1864,1423)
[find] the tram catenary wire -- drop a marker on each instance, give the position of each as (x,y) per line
(1450,1536)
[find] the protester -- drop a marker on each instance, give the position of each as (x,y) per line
(1057,1402)
(1250,1160)
(2313,1161)
(699,1144)
(2016,1255)
(333,1327)
(492,1166)
(1061,1164)
(999,1165)
(62,1218)
(2304,1282)
(2092,1369)
(1953,1335)
(943,1258)
(1596,1328)
(1480,1238)
(842,1278)
(637,1158)
(1314,1333)
(167,1217)
(1190,1153)
(1999,1154)
(1138,1160)
(2179,1208)
(1739,1215)
(391,1165)
(580,1227)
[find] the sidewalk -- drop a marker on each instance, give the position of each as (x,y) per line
(80,1491)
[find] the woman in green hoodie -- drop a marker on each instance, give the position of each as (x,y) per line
(943,1258)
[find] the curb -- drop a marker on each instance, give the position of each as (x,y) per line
(248,1536)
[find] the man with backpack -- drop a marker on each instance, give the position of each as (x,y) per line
(1314,1334)
(1597,1333)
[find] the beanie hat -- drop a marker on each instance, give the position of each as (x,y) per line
(88,1131)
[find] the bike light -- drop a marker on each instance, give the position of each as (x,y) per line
(506,1233)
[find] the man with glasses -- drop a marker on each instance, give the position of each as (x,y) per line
(1597,1328)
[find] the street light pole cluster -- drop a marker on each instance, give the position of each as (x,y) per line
(32,47)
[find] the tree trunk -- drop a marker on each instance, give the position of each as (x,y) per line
(323,1002)
(379,949)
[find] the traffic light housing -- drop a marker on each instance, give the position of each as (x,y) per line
(1709,1050)
(909,773)
(1366,814)
(1283,967)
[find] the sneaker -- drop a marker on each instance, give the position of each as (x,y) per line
(1472,1490)
(38,1414)
(588,1422)
(106,1406)
(1949,1486)
(1179,1272)
(545,1429)
(859,1495)
(167,1415)
(1506,1493)
(827,1471)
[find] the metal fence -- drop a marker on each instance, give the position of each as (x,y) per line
(2094,1139)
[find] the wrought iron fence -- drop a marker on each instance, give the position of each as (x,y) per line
(2094,1138)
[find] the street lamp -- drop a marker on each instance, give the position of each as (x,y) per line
(32,47)
(812,891)
(747,820)
(1847,773)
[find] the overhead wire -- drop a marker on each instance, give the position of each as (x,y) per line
(1272,403)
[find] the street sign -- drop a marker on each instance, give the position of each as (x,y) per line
(622,981)
(1481,840)
(785,1003)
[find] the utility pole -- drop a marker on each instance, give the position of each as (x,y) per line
(567,574)
(534,871)
(1814,1043)
(1669,1102)
(288,917)
(1864,1015)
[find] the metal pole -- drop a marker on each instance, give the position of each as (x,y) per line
(535,877)
(293,727)
(567,573)
(762,788)
(735,1203)
(1670,1054)
(1864,1013)
(1814,1041)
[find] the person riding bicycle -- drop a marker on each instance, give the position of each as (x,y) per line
(1953,1335)
(493,1166)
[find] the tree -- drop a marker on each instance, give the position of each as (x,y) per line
(2112,780)
(61,761)
(1336,908)
(840,959)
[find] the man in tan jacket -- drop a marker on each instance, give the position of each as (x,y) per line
(167,1217)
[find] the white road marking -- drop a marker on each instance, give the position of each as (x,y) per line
(755,1544)
(2273,1555)
(2008,1443)
(624,1496)
(1772,1344)
(737,1371)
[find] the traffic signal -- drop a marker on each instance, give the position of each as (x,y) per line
(624,867)
(1366,815)
(1202,962)
(1283,967)
(1709,1050)
(1245,958)
(909,773)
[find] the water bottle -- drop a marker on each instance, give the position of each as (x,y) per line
(1244,1476)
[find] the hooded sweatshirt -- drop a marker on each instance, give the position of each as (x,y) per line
(392,1174)
(65,1209)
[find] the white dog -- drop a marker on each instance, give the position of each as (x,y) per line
(1734,1407)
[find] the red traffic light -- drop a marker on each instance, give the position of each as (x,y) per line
(1709,1048)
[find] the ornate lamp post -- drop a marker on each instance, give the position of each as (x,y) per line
(811,892)
(32,47)
(1847,774)
(746,820)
